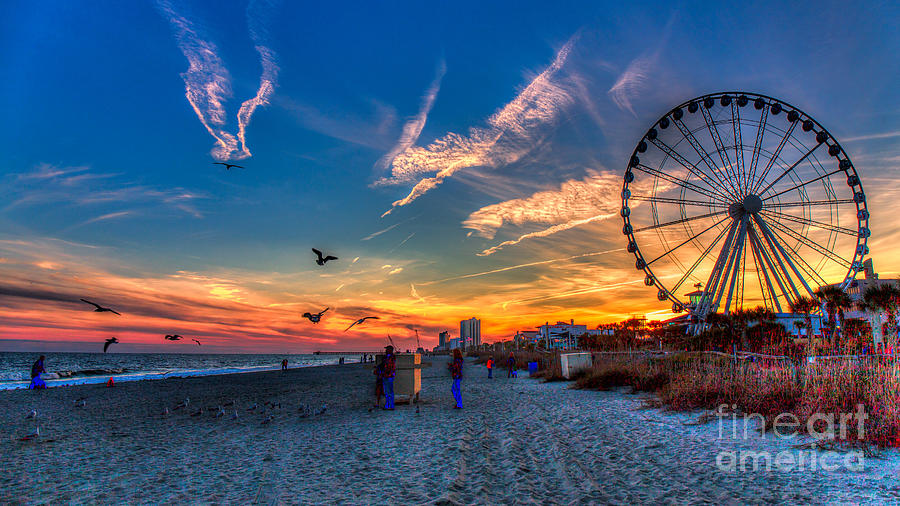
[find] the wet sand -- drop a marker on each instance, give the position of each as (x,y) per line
(516,441)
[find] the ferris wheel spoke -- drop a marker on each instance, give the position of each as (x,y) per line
(717,141)
(689,239)
(672,200)
(737,252)
(807,269)
(823,176)
(738,144)
(692,168)
(678,222)
(776,246)
(834,257)
(791,168)
(700,259)
(704,156)
(775,155)
(757,146)
(811,203)
(789,289)
(811,222)
(674,180)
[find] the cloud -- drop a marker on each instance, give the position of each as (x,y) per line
(883,135)
(633,81)
(398,270)
(413,128)
(108,216)
(208,83)
(511,132)
(594,198)
(376,234)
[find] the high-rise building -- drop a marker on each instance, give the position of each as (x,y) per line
(470,332)
(443,340)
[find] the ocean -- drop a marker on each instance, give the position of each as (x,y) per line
(84,368)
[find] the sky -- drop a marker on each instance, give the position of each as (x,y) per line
(461,159)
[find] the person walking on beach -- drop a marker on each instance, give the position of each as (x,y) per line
(510,365)
(36,369)
(456,373)
(490,367)
(389,370)
(284,365)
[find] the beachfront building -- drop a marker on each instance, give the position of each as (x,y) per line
(443,337)
(857,290)
(523,338)
(470,333)
(562,335)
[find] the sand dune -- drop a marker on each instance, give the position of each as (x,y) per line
(517,441)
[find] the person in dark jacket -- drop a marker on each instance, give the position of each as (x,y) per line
(389,370)
(510,365)
(456,372)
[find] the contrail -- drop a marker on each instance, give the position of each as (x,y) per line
(544,233)
(504,269)
(413,128)
(208,84)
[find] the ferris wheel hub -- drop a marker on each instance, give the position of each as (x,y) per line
(752,203)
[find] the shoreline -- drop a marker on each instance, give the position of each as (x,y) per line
(515,440)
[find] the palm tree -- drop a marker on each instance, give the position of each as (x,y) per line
(805,306)
(883,298)
(836,301)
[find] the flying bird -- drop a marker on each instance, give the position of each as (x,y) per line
(322,259)
(111,340)
(315,317)
(228,166)
(196,341)
(100,309)
(357,322)
(174,337)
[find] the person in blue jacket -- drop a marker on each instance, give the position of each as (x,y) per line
(36,369)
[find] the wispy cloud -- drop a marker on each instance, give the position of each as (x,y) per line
(594,198)
(883,135)
(208,82)
(511,132)
(108,216)
(634,80)
(413,128)
(376,234)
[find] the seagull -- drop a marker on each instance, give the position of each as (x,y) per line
(166,411)
(253,407)
(174,337)
(228,166)
(321,260)
(196,341)
(357,322)
(100,309)
(33,435)
(31,414)
(111,340)
(80,403)
(184,403)
(220,413)
(315,317)
(234,416)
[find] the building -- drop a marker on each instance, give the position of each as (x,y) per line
(470,333)
(857,290)
(443,337)
(525,337)
(562,335)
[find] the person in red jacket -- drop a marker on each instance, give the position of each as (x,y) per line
(490,367)
(456,372)
(389,370)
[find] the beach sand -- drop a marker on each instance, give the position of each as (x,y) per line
(516,441)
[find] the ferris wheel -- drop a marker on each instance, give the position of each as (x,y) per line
(745,197)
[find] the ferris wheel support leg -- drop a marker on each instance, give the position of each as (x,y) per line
(760,267)
(761,248)
(771,236)
(712,284)
(739,251)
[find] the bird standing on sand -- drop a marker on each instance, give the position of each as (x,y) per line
(322,259)
(228,166)
(321,411)
(111,340)
(253,407)
(99,308)
(34,435)
(80,403)
(196,341)
(235,415)
(361,320)
(31,414)
(174,337)
(184,403)
(221,412)
(315,317)
(165,411)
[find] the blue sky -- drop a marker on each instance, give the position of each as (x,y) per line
(106,168)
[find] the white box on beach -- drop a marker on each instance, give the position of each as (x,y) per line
(570,363)
(408,380)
